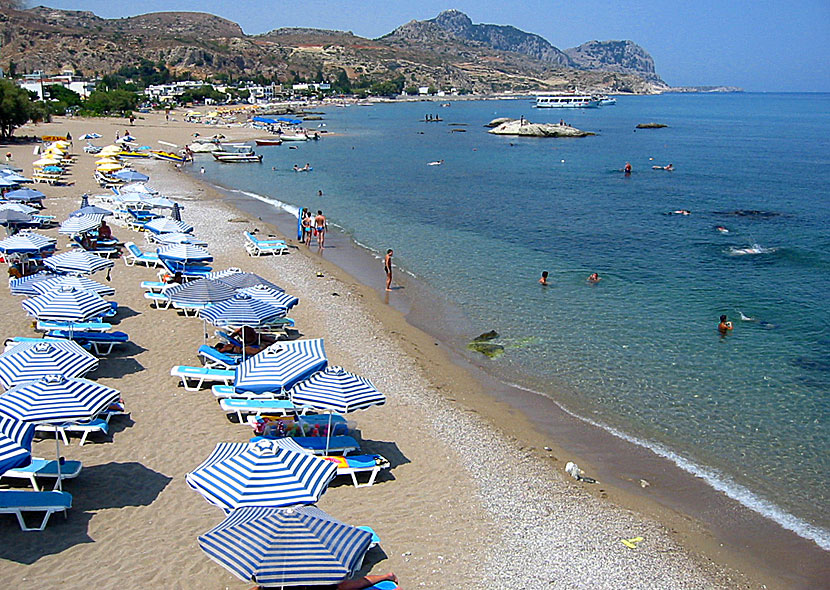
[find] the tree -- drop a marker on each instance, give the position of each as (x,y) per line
(102,102)
(15,108)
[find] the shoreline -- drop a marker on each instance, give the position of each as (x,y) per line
(465,399)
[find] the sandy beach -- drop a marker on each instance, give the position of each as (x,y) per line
(475,496)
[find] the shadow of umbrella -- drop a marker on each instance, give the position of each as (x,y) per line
(99,487)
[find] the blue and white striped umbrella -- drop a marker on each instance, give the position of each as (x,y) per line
(179,238)
(131,176)
(138,187)
(165,225)
(199,292)
(336,390)
(241,310)
(29,361)
(296,546)
(272,296)
(77,262)
(263,473)
(220,274)
(187,253)
(280,366)
(55,399)
(84,283)
(90,210)
(26,244)
(25,194)
(66,304)
(25,285)
(80,224)
(15,443)
(19,207)
(244,280)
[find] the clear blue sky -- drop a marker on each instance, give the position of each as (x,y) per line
(761,45)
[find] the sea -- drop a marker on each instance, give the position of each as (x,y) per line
(637,353)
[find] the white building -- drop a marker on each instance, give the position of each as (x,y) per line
(37,81)
(162,92)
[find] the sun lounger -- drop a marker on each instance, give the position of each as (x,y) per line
(338,445)
(189,271)
(213,359)
(133,255)
(243,407)
(97,426)
(91,326)
(158,300)
(45,220)
(102,343)
(156,286)
(195,378)
(354,464)
(44,469)
(17,502)
(14,341)
(229,392)
(190,309)
(257,247)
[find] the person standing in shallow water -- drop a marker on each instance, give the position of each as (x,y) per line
(725,326)
(387,266)
(320,226)
(544,279)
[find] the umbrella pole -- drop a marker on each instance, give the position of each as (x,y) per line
(58,429)
(328,434)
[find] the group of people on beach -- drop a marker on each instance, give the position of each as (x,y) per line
(313,225)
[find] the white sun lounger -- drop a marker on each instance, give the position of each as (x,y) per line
(17,502)
(200,376)
(158,300)
(354,464)
(257,247)
(44,468)
(133,255)
(257,407)
(97,426)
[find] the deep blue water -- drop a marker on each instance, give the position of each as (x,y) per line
(639,351)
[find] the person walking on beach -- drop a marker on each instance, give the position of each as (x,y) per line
(320,225)
(307,223)
(387,266)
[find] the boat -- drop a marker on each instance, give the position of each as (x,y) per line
(133,154)
(567,101)
(605,100)
(268,141)
(301,136)
(169,156)
(203,147)
(237,157)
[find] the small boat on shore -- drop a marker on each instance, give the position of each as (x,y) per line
(296,136)
(169,156)
(237,157)
(268,141)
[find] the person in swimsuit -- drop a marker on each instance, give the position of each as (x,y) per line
(627,168)
(594,278)
(725,326)
(307,222)
(387,266)
(544,279)
(321,226)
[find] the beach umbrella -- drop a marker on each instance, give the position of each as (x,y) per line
(334,389)
(263,473)
(25,194)
(165,225)
(242,280)
(15,443)
(26,244)
(280,366)
(80,224)
(20,207)
(91,210)
(16,178)
(55,399)
(177,212)
(45,162)
(56,282)
(161,203)
(185,253)
(10,216)
(200,291)
(111,149)
(107,160)
(131,176)
(179,238)
(77,262)
(66,304)
(300,545)
(6,183)
(90,136)
(29,361)
(241,310)
(138,187)
(25,285)
(109,167)
(277,298)
(218,274)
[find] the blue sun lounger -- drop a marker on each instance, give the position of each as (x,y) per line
(17,502)
(257,407)
(338,445)
(213,359)
(102,343)
(194,378)
(257,247)
(134,255)
(46,469)
(354,464)
(46,326)
(97,426)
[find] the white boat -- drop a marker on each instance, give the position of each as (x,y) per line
(203,147)
(605,100)
(294,136)
(567,101)
(237,157)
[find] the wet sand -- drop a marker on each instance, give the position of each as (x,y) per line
(472,497)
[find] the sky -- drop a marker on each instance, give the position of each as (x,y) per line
(760,45)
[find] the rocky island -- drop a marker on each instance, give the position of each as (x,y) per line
(524,128)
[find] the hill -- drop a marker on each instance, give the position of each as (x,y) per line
(448,51)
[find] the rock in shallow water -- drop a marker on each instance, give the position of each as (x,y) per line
(486,348)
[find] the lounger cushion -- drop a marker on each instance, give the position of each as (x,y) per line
(13,499)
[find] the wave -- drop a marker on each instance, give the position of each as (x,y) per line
(715,479)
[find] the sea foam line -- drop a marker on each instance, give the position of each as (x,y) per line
(715,479)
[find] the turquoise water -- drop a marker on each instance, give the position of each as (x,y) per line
(639,351)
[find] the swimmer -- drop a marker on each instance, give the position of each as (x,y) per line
(745,318)
(544,279)
(627,168)
(681,212)
(436,163)
(724,326)
(594,278)
(721,229)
